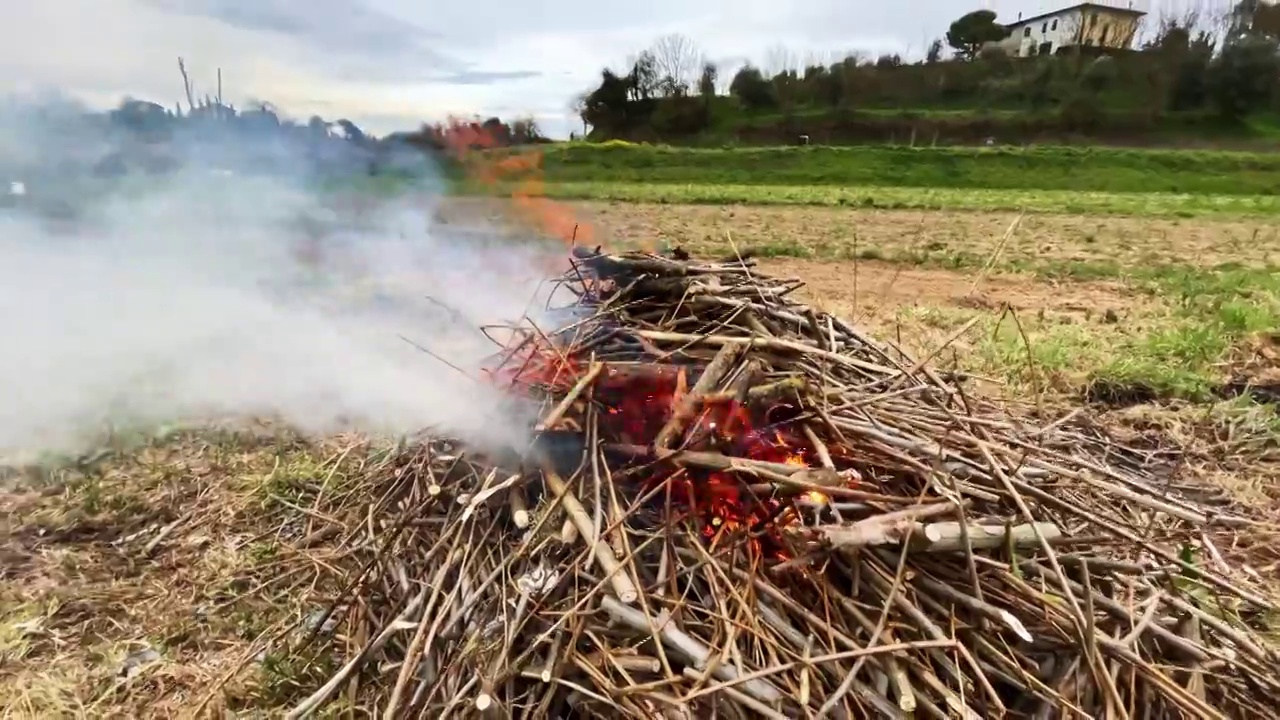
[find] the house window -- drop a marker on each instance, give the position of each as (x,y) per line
(1055,24)
(1044,28)
(1026,32)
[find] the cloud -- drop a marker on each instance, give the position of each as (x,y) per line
(337,26)
(386,59)
(353,40)
(486,78)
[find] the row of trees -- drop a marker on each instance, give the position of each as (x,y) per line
(149,137)
(261,130)
(1228,65)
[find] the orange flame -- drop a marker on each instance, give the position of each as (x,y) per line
(490,164)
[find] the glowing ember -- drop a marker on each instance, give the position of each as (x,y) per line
(638,400)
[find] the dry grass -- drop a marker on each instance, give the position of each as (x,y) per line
(843,233)
(136,584)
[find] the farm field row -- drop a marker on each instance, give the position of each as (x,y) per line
(1143,204)
(1053,244)
(1091,170)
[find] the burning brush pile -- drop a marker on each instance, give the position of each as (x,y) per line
(738,507)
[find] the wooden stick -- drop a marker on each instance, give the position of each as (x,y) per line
(709,460)
(519,507)
(316,699)
(933,537)
(949,536)
(687,647)
(569,532)
(560,409)
(770,343)
(886,529)
(688,407)
(622,585)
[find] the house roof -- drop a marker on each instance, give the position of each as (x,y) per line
(1077,6)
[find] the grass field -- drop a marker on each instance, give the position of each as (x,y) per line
(1039,168)
(1037,179)
(1157,204)
(1143,291)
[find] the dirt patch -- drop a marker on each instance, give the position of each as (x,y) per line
(1255,370)
(1128,242)
(959,318)
(862,290)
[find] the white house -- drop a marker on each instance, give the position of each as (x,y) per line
(1102,23)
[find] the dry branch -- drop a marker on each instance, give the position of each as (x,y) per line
(818,522)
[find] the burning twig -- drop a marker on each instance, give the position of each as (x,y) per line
(688,405)
(710,461)
(554,416)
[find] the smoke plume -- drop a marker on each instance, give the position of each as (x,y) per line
(179,294)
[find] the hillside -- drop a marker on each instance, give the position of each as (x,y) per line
(1195,80)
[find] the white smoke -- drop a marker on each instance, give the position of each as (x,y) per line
(180,296)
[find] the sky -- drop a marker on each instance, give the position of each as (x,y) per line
(391,64)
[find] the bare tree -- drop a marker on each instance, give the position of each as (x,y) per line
(728,68)
(814,58)
(1209,19)
(677,61)
(578,106)
(642,73)
(852,58)
(934,53)
(780,59)
(782,67)
(186,85)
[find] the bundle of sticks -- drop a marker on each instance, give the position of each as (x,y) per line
(739,507)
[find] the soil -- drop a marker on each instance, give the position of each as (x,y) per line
(1124,241)
(880,294)
(868,290)
(922,309)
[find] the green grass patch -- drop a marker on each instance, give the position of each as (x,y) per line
(1181,355)
(1180,347)
(1181,351)
(1152,204)
(1087,169)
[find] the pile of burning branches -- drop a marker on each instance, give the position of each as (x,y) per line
(739,507)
